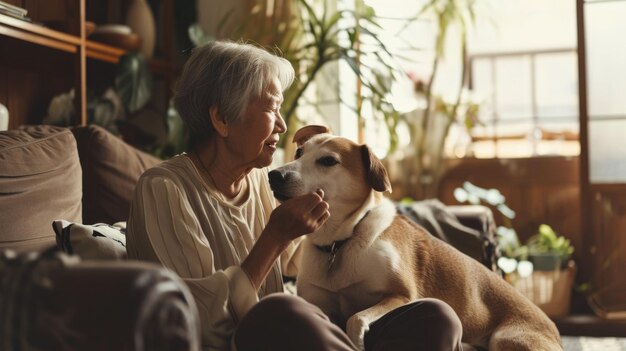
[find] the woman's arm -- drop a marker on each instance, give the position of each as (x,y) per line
(294,218)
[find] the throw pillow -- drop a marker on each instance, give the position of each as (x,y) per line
(91,242)
(40,180)
(111,169)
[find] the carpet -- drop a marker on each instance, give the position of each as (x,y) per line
(586,343)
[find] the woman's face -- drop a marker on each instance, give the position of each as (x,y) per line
(254,139)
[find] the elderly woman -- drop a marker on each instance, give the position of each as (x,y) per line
(209,214)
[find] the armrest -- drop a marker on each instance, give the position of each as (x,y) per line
(474,216)
(56,302)
(468,228)
(480,218)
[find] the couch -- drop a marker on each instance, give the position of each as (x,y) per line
(51,300)
(59,268)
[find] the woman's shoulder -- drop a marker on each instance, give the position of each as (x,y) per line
(176,168)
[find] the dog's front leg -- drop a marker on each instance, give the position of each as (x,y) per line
(325,299)
(359,323)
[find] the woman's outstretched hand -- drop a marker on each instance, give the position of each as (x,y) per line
(293,218)
(298,216)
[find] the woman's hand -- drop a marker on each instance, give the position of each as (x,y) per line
(294,218)
(297,216)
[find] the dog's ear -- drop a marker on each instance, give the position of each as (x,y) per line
(375,172)
(305,133)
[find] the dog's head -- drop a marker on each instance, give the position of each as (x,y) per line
(347,172)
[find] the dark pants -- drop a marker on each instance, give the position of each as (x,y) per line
(286,322)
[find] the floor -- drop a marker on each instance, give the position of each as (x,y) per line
(592,333)
(588,343)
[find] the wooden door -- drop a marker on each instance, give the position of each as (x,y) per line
(602,89)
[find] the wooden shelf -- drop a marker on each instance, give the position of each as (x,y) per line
(103,52)
(38,63)
(38,34)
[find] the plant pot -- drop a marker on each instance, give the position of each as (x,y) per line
(551,290)
(547,261)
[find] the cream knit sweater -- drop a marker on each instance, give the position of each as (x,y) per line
(182,222)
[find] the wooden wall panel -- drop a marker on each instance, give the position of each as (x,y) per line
(608,252)
(539,190)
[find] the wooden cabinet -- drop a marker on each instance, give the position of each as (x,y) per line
(52,55)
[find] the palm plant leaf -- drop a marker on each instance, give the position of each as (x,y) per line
(133,81)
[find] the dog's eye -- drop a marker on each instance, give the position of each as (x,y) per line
(299,153)
(327,161)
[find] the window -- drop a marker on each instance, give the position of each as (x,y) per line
(530,103)
(523,72)
(524,68)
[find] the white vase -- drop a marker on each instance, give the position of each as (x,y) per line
(4,118)
(141,20)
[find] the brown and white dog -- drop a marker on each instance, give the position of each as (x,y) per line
(367,260)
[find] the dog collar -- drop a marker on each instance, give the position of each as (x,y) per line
(332,250)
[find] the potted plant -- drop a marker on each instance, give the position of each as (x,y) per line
(547,250)
(432,122)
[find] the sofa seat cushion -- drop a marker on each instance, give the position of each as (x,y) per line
(40,180)
(111,169)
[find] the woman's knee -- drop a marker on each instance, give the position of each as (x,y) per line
(281,307)
(440,318)
(440,312)
(275,311)
(286,322)
(428,322)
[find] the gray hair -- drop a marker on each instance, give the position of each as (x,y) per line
(228,75)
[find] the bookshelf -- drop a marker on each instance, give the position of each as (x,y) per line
(52,55)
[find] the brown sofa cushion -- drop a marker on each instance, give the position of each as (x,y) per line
(40,181)
(111,169)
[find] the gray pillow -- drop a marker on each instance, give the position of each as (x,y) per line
(91,242)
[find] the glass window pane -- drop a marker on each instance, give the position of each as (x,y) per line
(606,55)
(483,131)
(482,87)
(483,149)
(514,148)
(568,128)
(517,129)
(513,88)
(556,79)
(607,151)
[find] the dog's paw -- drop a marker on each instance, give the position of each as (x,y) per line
(356,329)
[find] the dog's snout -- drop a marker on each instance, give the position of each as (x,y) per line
(276,178)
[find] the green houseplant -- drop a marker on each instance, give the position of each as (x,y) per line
(432,123)
(547,250)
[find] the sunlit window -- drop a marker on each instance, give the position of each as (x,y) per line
(524,65)
(523,74)
(531,105)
